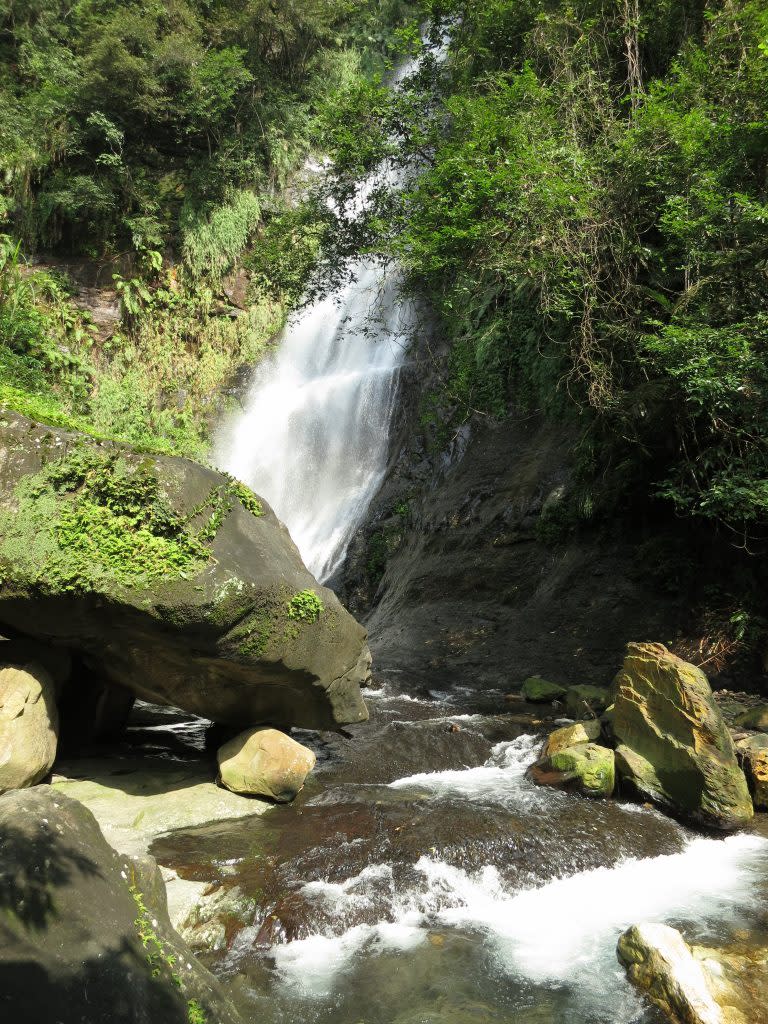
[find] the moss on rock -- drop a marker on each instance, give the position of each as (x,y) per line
(540,691)
(172,580)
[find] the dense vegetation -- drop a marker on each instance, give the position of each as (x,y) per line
(585,210)
(162,144)
(591,225)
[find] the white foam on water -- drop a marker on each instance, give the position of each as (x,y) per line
(311,966)
(552,932)
(560,934)
(498,780)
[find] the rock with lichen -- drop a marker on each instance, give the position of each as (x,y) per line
(586,768)
(672,745)
(170,579)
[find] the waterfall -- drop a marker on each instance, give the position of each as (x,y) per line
(313,435)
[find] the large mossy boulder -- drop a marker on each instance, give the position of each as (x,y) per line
(172,580)
(265,762)
(84,931)
(586,768)
(672,745)
(28,725)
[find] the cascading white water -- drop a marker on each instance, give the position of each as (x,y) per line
(313,436)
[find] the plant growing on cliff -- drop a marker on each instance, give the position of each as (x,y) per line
(305,606)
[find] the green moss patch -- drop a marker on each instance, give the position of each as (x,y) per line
(93,518)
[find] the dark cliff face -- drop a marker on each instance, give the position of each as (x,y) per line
(464,572)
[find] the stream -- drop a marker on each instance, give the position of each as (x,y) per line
(421,878)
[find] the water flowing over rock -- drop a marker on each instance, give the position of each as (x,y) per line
(313,438)
(172,580)
(29,725)
(314,435)
(673,746)
(85,933)
(660,964)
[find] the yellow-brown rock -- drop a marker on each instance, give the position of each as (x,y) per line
(570,735)
(672,745)
(28,726)
(265,762)
(753,753)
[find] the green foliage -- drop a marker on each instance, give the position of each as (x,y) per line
(247,498)
(165,141)
(305,606)
(195,1013)
(589,226)
(160,957)
(213,243)
(95,519)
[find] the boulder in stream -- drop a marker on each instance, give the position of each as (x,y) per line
(570,735)
(265,762)
(172,580)
(661,965)
(672,745)
(29,725)
(84,932)
(585,767)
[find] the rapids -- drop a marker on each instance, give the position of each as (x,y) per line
(421,877)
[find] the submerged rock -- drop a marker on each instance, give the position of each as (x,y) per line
(265,762)
(586,701)
(540,691)
(673,746)
(215,912)
(661,965)
(85,934)
(29,726)
(586,767)
(172,580)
